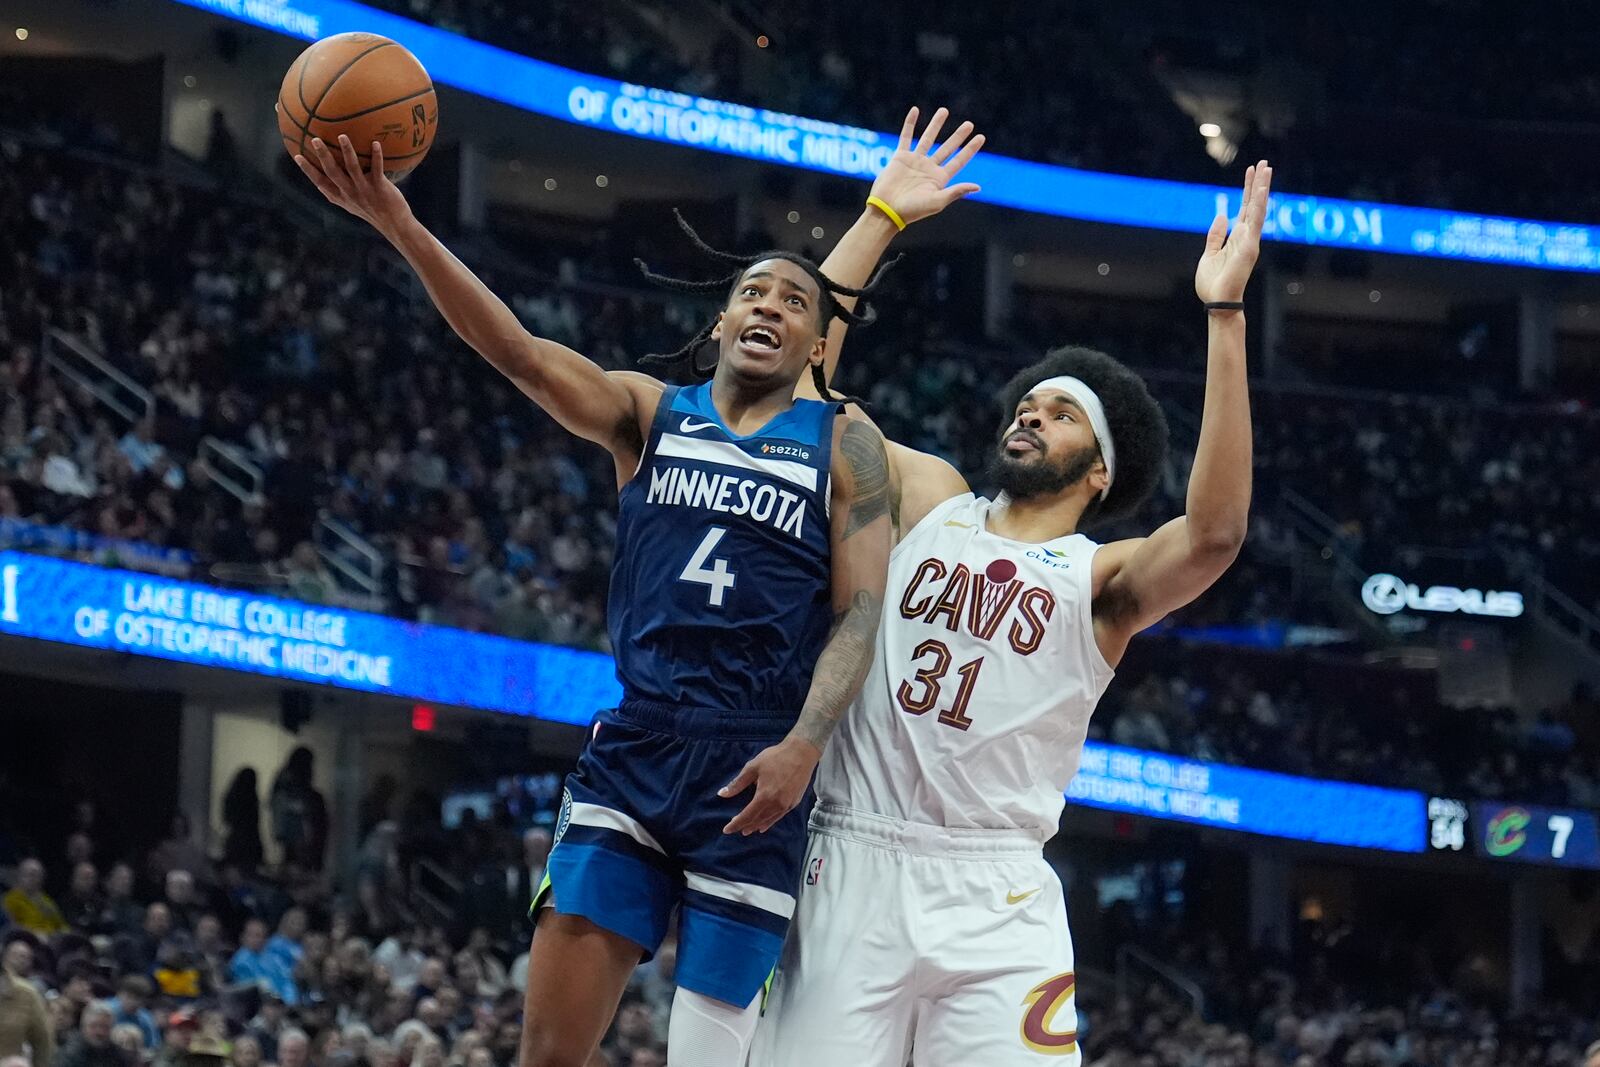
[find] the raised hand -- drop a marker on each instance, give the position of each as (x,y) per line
(1226,264)
(916,181)
(368,195)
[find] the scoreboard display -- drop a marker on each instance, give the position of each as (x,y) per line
(1529,833)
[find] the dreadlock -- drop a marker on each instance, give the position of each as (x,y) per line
(828,306)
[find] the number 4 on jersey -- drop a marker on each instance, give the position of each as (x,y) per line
(717,576)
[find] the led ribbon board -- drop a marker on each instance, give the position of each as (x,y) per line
(1259,802)
(96,607)
(790,140)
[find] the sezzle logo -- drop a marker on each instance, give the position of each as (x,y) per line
(1049,557)
(785,450)
(1384,594)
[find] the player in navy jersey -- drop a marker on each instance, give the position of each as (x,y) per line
(752,546)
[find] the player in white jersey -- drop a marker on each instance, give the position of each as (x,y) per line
(929,926)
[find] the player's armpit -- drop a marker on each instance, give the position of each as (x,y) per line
(920,482)
(1138,582)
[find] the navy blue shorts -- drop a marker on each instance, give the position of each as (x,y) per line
(641,833)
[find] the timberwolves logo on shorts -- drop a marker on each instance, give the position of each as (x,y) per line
(564,818)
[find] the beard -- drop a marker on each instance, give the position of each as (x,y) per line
(1022,478)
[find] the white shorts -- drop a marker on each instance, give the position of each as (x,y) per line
(922,944)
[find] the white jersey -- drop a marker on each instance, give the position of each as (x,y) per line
(978,701)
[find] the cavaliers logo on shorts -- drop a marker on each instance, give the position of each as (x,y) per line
(1044,1001)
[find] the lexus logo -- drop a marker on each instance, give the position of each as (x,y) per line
(1385,594)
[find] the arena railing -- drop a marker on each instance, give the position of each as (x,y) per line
(95,375)
(227,466)
(1132,957)
(337,543)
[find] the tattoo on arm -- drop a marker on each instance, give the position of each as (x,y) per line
(862,448)
(841,668)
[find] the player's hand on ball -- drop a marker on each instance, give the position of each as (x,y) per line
(368,195)
(1229,258)
(916,181)
(780,774)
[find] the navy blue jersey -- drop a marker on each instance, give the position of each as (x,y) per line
(720,592)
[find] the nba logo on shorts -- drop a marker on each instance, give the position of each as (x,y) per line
(814,871)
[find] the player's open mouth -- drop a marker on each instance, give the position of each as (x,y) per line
(761,339)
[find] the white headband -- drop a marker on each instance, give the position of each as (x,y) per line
(1087,399)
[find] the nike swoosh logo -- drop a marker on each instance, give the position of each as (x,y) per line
(1018,898)
(962,525)
(688,425)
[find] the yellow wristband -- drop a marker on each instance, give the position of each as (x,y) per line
(881,205)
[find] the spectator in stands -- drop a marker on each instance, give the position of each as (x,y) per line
(24,1023)
(270,1023)
(181,852)
(255,962)
(176,1039)
(82,904)
(241,821)
(136,952)
(299,814)
(131,1007)
(287,946)
(1591,1055)
(91,1046)
(246,1052)
(120,914)
(294,1048)
(29,906)
(180,899)
(126,1039)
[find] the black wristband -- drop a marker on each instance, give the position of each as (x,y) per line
(1224,305)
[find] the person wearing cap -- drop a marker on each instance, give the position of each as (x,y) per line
(181,1028)
(1006,622)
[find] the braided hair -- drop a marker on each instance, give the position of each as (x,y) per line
(828,307)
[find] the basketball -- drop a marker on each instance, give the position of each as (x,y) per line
(366,87)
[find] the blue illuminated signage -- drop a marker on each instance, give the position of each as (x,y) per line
(790,140)
(1528,833)
(96,607)
(1259,802)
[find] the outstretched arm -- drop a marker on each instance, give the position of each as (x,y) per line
(1141,580)
(916,185)
(600,407)
(860,543)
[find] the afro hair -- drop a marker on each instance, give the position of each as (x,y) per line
(1138,426)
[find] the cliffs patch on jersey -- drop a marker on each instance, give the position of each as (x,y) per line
(991,605)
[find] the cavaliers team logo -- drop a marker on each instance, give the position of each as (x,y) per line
(1038,1025)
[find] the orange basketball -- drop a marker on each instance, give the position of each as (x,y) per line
(366,87)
